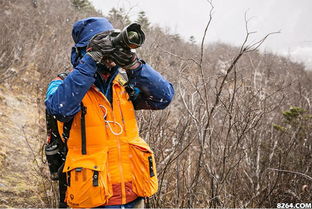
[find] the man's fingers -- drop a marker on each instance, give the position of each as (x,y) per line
(109,63)
(125,55)
(102,35)
(107,50)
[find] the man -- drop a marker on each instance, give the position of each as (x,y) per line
(107,164)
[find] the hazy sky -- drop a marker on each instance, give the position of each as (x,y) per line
(189,17)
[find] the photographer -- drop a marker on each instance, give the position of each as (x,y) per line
(107,163)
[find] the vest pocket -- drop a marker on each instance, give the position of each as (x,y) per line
(145,182)
(88,182)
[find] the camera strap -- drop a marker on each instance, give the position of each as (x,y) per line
(66,132)
(123,79)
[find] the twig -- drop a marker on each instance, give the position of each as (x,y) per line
(292,172)
(180,57)
(205,32)
(253,46)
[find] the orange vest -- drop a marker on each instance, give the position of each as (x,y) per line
(118,165)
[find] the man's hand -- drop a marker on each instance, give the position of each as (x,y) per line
(125,58)
(99,46)
(108,63)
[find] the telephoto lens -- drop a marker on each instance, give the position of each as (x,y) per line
(131,37)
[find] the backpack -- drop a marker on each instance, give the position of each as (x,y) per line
(56,150)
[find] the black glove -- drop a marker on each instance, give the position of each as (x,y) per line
(124,58)
(99,46)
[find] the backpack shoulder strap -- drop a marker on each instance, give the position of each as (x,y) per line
(122,77)
(123,80)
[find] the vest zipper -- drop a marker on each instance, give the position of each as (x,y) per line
(122,178)
(123,187)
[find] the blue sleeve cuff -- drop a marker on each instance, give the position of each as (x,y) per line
(87,65)
(156,92)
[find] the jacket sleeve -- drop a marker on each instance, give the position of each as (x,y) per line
(156,93)
(64,97)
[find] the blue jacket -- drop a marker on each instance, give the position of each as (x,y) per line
(63,97)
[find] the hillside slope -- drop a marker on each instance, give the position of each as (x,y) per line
(20,142)
(34,52)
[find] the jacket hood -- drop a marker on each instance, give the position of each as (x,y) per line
(84,30)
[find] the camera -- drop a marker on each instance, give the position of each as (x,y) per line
(131,37)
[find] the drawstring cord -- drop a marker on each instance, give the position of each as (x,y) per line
(114,122)
(105,111)
(109,122)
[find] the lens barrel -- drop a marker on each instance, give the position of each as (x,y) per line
(131,37)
